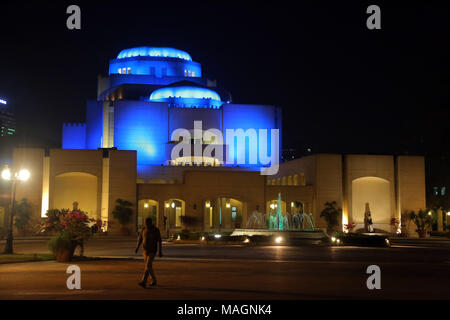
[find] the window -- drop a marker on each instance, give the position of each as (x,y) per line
(128,70)
(120,71)
(233,213)
(124,70)
(193,73)
(185,73)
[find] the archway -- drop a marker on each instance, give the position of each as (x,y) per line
(174,209)
(147,208)
(272,207)
(376,192)
(76,186)
(224,213)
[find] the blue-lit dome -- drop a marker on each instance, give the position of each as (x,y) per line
(185,92)
(154,52)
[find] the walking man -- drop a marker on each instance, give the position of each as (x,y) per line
(150,238)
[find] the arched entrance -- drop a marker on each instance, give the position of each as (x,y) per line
(272,207)
(223,213)
(76,186)
(147,208)
(174,209)
(377,193)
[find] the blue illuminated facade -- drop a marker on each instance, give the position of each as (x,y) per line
(149,93)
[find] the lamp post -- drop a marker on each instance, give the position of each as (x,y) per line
(22,175)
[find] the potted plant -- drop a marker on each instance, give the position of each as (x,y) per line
(422,219)
(122,213)
(62,246)
(331,215)
(23,214)
(71,229)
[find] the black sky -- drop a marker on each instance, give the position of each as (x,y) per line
(342,87)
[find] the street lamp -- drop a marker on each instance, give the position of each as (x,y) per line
(22,175)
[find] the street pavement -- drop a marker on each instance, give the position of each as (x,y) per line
(188,271)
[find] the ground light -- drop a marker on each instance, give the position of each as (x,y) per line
(279,239)
(217,236)
(247,240)
(203,238)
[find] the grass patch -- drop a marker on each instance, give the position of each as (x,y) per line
(14,258)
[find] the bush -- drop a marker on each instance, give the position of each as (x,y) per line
(331,215)
(61,242)
(23,214)
(421,219)
(122,211)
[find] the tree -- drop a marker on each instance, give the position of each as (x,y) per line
(331,215)
(22,215)
(123,211)
(422,219)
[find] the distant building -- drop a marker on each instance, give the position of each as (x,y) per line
(7,120)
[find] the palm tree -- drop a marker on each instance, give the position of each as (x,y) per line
(331,215)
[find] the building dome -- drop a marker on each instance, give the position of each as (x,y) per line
(184,92)
(154,52)
(187,97)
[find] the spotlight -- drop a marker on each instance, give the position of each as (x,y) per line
(333,239)
(278,239)
(217,236)
(173,204)
(203,238)
(247,240)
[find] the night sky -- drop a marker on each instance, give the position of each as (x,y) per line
(342,88)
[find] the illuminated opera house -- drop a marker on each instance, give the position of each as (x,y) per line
(125,150)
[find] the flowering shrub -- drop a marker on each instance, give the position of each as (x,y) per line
(395,223)
(73,224)
(350,226)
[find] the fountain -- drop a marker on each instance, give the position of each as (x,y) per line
(292,226)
